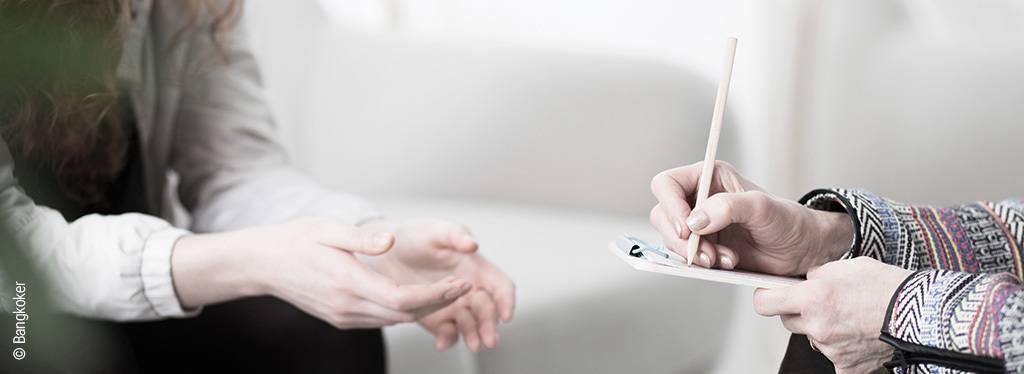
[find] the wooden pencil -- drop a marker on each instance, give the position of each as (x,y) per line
(708,169)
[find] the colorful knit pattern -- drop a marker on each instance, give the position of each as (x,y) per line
(968,297)
(953,310)
(926,369)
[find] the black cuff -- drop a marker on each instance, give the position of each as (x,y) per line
(834,201)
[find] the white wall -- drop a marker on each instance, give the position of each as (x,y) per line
(919,101)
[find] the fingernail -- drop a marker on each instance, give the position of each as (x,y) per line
(726,262)
(382,239)
(698,220)
(679,230)
(705,261)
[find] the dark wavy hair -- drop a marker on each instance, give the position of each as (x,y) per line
(59,97)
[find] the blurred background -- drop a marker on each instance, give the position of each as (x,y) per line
(540,123)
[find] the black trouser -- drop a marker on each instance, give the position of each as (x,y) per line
(259,335)
(801,358)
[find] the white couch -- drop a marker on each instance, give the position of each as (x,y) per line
(932,88)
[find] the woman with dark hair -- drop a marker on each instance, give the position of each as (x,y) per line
(101,102)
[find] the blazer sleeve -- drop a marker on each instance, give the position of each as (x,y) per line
(106,267)
(233,171)
(964,307)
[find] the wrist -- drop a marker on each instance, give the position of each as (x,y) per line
(212,268)
(836,235)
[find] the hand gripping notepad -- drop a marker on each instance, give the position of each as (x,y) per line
(657,259)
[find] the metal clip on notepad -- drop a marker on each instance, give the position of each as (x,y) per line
(641,249)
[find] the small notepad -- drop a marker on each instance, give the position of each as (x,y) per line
(632,252)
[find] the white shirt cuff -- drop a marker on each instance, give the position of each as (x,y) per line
(158,286)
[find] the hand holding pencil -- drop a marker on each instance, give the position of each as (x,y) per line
(714,217)
(743,226)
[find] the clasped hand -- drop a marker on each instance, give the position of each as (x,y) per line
(378,274)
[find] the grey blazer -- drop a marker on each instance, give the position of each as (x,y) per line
(205,121)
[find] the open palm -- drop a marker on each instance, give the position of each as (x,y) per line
(428,250)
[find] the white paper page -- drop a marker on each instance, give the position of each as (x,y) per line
(739,277)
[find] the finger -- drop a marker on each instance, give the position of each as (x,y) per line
(430,309)
(382,290)
(453,236)
(446,335)
(711,254)
(728,259)
(486,313)
(442,326)
(466,243)
(794,323)
(706,253)
(671,192)
(778,301)
(725,178)
(467,326)
(370,308)
(501,288)
(728,179)
(352,239)
(660,221)
(723,209)
(674,187)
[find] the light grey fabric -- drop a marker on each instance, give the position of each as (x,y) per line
(202,117)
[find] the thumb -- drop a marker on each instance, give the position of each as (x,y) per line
(452,236)
(355,239)
(777,301)
(723,209)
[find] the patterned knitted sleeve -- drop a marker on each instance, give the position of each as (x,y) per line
(980,237)
(947,321)
(964,308)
